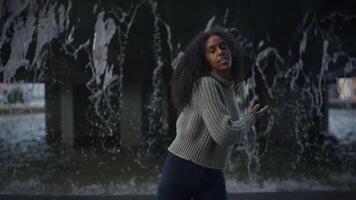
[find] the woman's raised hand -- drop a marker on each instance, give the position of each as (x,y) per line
(257,111)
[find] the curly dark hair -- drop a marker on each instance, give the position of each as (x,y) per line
(193,65)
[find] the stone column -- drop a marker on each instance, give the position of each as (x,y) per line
(131,114)
(67,122)
(59,113)
(52,105)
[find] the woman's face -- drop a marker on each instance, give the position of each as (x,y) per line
(218,54)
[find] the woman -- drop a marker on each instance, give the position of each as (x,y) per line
(203,89)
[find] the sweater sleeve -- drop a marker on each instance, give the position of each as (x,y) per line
(216,117)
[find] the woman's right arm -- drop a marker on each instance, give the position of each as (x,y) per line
(216,117)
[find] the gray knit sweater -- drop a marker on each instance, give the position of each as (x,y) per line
(209,126)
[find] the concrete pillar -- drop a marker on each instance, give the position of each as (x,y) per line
(59,113)
(67,123)
(131,114)
(83,128)
(52,105)
(330,91)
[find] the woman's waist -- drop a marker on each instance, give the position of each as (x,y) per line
(207,156)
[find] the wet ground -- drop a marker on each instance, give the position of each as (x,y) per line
(316,195)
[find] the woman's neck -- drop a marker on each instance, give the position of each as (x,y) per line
(223,74)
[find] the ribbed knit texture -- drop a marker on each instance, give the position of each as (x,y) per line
(209,126)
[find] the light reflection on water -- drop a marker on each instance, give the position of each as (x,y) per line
(29,165)
(22,130)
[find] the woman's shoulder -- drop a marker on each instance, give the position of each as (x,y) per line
(206,87)
(208,80)
(209,85)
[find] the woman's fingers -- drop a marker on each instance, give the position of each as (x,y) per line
(262,110)
(255,107)
(258,112)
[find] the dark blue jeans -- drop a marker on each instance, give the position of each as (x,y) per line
(182,179)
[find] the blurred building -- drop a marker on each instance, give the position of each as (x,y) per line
(342,91)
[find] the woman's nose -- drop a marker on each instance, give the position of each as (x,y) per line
(220,51)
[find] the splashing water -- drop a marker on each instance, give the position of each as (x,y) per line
(292,83)
(296,68)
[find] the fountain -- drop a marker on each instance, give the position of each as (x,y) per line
(106,67)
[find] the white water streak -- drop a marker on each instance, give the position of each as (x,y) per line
(209,24)
(21,39)
(104,31)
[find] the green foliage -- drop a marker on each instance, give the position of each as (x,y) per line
(15,96)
